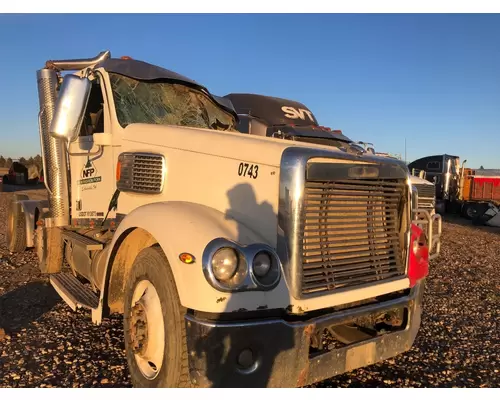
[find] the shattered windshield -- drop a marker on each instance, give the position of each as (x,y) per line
(166,103)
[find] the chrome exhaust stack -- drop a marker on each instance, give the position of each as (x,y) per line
(55,163)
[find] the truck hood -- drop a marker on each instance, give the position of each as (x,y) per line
(420,181)
(236,145)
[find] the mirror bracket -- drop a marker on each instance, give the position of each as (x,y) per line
(103,139)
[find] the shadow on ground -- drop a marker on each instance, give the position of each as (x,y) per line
(25,304)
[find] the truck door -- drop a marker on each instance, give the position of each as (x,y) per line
(92,172)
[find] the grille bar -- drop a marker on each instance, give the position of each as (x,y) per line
(361,235)
(347,269)
(336,283)
(350,233)
(352,246)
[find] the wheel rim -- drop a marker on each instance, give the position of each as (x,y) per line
(147,330)
(471,212)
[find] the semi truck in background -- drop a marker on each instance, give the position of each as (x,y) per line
(459,189)
(236,260)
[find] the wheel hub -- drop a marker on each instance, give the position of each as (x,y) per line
(146,329)
(139,331)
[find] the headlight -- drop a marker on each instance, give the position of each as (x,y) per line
(261,264)
(265,268)
(231,267)
(228,267)
(225,263)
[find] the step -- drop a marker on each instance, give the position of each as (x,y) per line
(73,292)
(81,240)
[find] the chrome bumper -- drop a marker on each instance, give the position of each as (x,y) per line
(281,349)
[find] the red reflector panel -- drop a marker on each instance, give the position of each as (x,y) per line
(419,256)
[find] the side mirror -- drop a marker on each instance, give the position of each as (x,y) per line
(70,107)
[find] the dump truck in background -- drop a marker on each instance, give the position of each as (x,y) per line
(459,189)
(232,257)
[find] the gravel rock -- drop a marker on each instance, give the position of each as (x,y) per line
(45,344)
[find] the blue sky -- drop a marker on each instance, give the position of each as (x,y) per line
(432,79)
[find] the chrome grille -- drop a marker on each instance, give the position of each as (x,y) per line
(351,233)
(426,195)
(426,191)
(141,172)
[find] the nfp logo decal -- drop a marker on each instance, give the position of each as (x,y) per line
(89,174)
(89,170)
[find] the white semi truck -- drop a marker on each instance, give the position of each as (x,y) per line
(236,260)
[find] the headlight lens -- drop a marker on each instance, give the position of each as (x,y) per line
(225,264)
(266,269)
(261,264)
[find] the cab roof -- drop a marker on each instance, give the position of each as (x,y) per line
(143,71)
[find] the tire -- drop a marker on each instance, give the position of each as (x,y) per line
(474,210)
(16,226)
(151,269)
(5,179)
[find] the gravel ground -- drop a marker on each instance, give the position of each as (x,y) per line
(45,344)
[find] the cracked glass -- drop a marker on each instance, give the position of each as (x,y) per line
(166,103)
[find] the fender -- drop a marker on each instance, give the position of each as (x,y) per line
(188,227)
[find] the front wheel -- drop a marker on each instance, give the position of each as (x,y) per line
(154,327)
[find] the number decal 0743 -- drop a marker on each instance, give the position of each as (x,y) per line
(250,170)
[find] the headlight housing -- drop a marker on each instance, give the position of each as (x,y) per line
(231,267)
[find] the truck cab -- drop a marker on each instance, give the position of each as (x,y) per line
(233,258)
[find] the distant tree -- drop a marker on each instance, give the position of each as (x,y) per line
(481,167)
(2,162)
(30,161)
(38,161)
(22,160)
(8,163)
